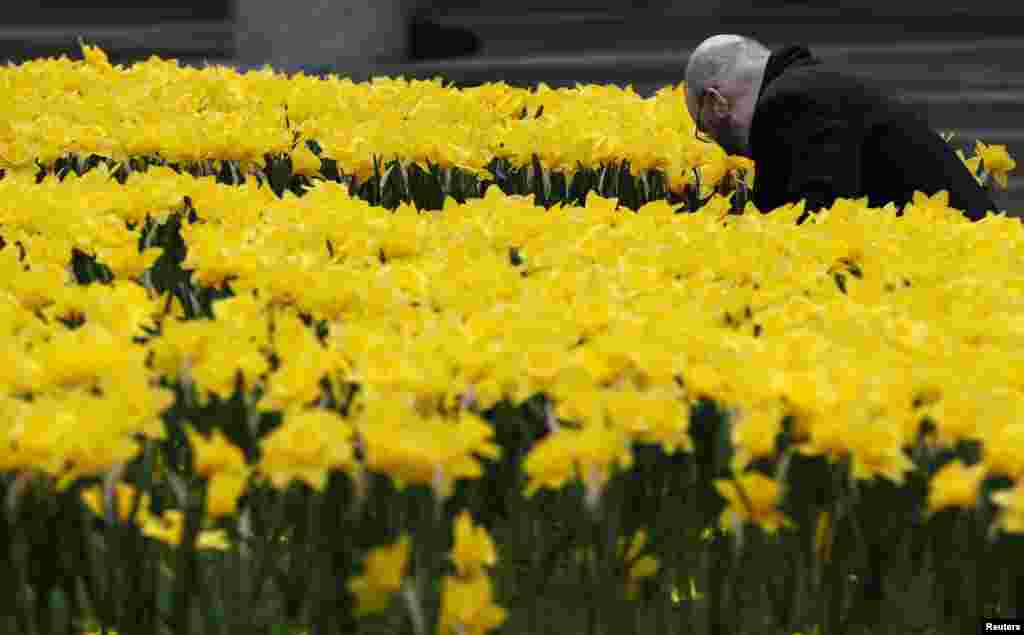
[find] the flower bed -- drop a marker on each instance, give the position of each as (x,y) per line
(256,378)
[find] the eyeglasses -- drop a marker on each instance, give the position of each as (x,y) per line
(698,132)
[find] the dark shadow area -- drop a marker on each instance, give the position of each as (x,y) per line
(430,40)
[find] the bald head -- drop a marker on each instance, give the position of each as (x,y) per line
(732,67)
(725,59)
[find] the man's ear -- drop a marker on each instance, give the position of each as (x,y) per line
(720,105)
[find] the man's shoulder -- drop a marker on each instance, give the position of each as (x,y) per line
(826,81)
(829,89)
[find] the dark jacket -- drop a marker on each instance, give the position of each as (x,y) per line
(820,133)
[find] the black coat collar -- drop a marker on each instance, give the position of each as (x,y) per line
(788,57)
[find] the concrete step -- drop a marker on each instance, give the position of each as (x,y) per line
(84,12)
(972,109)
(999,136)
(989,66)
(553,31)
(123,43)
(993,65)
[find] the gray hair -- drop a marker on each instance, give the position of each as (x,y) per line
(724,58)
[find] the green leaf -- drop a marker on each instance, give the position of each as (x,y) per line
(58,600)
(165,600)
(539,194)
(376,191)
(210,555)
(215,618)
(389,189)
(558,188)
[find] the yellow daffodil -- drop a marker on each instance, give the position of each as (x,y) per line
(877,450)
(652,416)
(57,436)
(589,454)
(1001,443)
(95,57)
(754,434)
(762,494)
(217,372)
(971,165)
(306,446)
(127,261)
(955,415)
(1010,502)
(955,485)
(382,576)
(742,166)
(223,491)
(304,162)
(215,454)
(125,494)
(169,527)
(996,160)
(638,567)
(473,548)
(430,450)
(296,382)
(467,607)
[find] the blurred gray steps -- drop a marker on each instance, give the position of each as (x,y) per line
(936,65)
(517,33)
(122,42)
(971,108)
(85,12)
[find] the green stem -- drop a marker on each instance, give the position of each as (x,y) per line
(836,584)
(91,570)
(205,599)
(427,564)
(591,581)
(186,580)
(147,242)
(8,583)
(799,588)
(412,601)
(601,586)
(111,535)
(269,549)
(664,601)
(311,562)
(131,544)
(719,623)
(292,579)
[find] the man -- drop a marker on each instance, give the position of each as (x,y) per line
(817,133)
